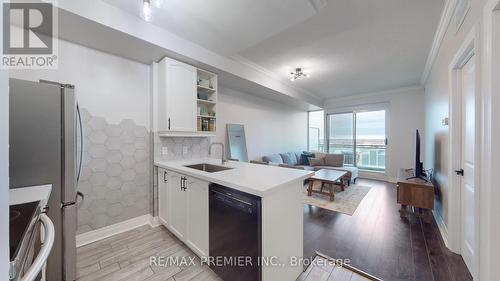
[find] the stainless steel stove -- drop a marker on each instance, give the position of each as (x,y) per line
(24,234)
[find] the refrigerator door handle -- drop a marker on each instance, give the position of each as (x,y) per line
(81,195)
(81,144)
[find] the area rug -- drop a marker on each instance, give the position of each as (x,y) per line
(346,201)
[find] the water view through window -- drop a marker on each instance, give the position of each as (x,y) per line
(361,137)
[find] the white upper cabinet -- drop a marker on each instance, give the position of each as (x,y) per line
(184,99)
(176,99)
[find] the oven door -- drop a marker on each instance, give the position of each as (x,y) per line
(29,249)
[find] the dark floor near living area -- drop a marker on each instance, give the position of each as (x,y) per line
(379,242)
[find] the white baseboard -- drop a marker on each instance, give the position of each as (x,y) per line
(110,230)
(154,221)
(442,228)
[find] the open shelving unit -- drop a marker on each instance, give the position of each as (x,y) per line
(206,102)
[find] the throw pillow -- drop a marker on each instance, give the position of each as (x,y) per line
(304,158)
(289,158)
(317,161)
(274,158)
(334,160)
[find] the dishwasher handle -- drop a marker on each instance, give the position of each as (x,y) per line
(47,244)
(233,202)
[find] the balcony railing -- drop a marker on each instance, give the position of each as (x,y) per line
(368,156)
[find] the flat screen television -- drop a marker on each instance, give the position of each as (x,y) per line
(419,166)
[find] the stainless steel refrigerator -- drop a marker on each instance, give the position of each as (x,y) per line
(46,148)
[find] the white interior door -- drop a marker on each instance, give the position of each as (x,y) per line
(468,235)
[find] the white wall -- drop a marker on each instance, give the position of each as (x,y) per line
(437,91)
(437,104)
(4,175)
(108,86)
(270,127)
(404,114)
(99,12)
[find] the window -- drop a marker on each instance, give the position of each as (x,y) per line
(360,136)
(316,139)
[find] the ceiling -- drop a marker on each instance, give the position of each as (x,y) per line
(348,46)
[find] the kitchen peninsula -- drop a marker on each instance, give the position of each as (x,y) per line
(201,201)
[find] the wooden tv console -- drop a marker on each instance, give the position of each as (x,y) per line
(415,193)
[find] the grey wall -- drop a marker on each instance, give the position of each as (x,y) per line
(116,172)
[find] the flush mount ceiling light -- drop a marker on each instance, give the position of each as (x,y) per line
(146,9)
(298,73)
(158,3)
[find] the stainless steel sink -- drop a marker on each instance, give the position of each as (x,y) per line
(210,168)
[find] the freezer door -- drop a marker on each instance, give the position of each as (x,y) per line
(69,242)
(70,167)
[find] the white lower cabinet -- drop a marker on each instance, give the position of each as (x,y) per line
(177,203)
(163,196)
(183,208)
(197,216)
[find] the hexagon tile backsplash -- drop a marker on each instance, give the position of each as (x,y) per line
(115,175)
(195,147)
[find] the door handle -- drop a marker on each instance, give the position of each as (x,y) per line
(165,176)
(459,172)
(169,124)
(184,184)
(81,195)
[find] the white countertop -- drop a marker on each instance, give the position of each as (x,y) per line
(255,179)
(30,194)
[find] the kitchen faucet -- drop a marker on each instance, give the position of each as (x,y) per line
(222,151)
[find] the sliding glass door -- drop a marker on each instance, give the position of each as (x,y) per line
(341,136)
(371,140)
(360,136)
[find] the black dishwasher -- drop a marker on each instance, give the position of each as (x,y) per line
(235,234)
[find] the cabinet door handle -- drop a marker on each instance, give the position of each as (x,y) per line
(169,124)
(182,182)
(165,176)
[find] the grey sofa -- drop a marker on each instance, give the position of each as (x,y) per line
(319,161)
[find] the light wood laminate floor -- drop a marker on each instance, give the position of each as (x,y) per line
(126,256)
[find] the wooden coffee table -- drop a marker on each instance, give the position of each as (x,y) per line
(327,178)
